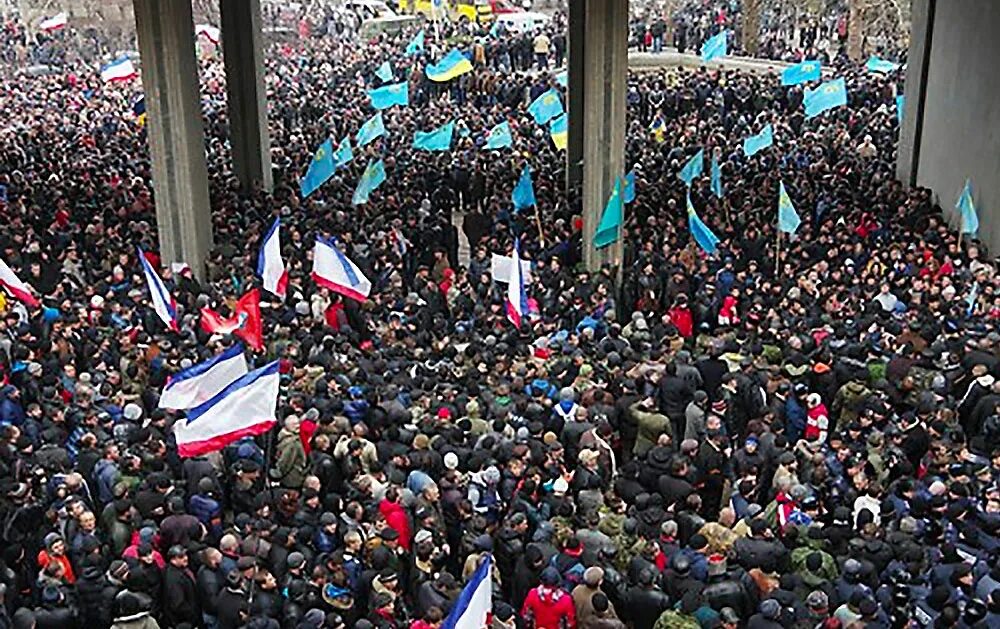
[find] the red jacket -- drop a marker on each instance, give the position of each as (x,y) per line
(683,321)
(549,608)
(395,517)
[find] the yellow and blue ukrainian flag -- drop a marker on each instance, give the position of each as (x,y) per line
(559,130)
(451,66)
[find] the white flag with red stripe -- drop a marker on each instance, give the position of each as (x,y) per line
(54,23)
(334,270)
(270,266)
(15,286)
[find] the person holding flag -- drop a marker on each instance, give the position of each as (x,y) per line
(517,297)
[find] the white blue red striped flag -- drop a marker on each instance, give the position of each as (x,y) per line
(335,271)
(247,407)
(163,301)
(199,383)
(270,266)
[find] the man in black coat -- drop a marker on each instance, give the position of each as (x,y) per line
(645,603)
(675,395)
(232,603)
(55,611)
(180,598)
(209,581)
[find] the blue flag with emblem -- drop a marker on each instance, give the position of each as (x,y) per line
(437,140)
(371,179)
(900,107)
(757,143)
(628,193)
(562,78)
(499,137)
(808,70)
(702,235)
(827,96)
(390,95)
(716,177)
(788,218)
(611,220)
(967,210)
(693,168)
(523,195)
(546,107)
(451,66)
(384,72)
(878,65)
(344,153)
(371,130)
(320,169)
(416,45)
(715,47)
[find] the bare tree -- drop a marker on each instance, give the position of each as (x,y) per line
(752,10)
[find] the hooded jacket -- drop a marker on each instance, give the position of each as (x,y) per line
(548,607)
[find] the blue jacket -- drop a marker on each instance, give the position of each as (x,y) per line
(11,411)
(795,419)
(106,475)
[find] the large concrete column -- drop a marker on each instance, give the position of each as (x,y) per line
(176,134)
(575,85)
(917,65)
(605,67)
(242,45)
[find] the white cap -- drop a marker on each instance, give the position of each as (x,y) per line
(451,461)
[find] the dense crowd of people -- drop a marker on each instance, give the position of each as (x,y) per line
(795,437)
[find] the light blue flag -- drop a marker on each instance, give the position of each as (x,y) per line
(384,72)
(714,47)
(702,235)
(416,45)
(611,220)
(693,168)
(499,137)
(900,107)
(437,140)
(390,95)
(716,177)
(371,179)
(788,218)
(370,130)
(757,143)
(563,78)
(546,107)
(523,195)
(804,72)
(320,169)
(827,96)
(881,66)
(495,30)
(344,153)
(967,209)
(970,299)
(628,194)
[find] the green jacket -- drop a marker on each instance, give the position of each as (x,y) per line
(651,426)
(290,464)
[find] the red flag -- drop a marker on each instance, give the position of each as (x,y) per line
(245,322)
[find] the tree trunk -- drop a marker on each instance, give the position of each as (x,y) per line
(751,25)
(855,30)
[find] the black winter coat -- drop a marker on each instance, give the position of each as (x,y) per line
(47,617)
(180,599)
